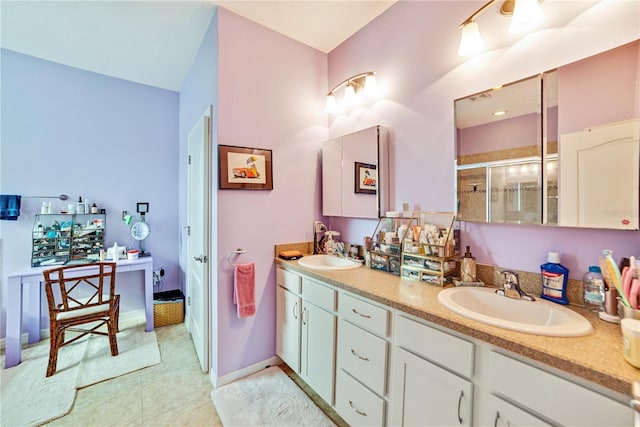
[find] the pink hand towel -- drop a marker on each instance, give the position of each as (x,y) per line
(244,289)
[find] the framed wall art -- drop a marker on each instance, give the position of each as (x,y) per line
(366,178)
(243,168)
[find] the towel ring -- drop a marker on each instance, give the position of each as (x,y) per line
(238,251)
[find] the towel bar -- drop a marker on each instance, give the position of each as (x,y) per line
(238,251)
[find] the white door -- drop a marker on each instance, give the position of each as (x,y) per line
(318,345)
(426,395)
(288,328)
(198,190)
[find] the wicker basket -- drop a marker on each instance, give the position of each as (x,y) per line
(168,308)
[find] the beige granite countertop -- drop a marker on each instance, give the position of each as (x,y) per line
(596,357)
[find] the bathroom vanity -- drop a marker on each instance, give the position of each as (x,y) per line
(381,350)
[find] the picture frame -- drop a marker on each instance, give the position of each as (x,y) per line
(244,168)
(366,178)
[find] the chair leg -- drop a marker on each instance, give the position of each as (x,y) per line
(113,342)
(54,345)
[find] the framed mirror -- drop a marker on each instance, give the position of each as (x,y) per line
(355,178)
(560,148)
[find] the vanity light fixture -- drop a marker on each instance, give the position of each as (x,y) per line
(363,83)
(526,14)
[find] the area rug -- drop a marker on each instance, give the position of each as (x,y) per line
(266,398)
(29,398)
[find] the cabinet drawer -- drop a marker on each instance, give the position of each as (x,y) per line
(288,280)
(363,355)
(357,404)
(444,349)
(319,294)
(561,400)
(364,314)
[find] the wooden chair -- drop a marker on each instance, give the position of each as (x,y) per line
(81,303)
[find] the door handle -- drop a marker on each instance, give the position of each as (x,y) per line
(201,258)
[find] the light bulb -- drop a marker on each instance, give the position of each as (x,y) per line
(349,94)
(370,85)
(470,41)
(331,106)
(527,14)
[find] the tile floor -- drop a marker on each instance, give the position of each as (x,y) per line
(172,393)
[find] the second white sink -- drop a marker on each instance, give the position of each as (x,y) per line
(327,262)
(537,317)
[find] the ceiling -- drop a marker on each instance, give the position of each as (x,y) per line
(155,42)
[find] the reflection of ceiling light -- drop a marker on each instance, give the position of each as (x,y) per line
(500,113)
(526,15)
(364,83)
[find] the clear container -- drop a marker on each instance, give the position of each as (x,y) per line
(593,289)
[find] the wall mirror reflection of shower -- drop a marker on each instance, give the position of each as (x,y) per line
(560,148)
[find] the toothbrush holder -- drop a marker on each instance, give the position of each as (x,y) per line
(627,312)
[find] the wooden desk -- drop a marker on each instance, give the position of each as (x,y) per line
(29,282)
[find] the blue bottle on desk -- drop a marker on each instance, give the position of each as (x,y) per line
(554,279)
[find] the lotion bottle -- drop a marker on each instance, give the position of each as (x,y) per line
(468,267)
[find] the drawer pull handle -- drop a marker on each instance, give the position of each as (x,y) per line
(295,310)
(460,404)
(495,422)
(304,310)
(355,353)
(366,316)
(357,411)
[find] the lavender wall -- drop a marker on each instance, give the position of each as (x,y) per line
(271,96)
(199,91)
(516,132)
(420,74)
(110,141)
(612,78)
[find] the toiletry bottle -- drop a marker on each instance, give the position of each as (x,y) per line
(80,206)
(593,289)
(468,267)
(94,209)
(554,279)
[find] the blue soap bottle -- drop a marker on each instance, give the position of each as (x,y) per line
(554,279)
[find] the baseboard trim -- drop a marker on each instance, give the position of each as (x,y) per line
(128,319)
(241,373)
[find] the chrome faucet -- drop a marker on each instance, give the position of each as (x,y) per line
(511,287)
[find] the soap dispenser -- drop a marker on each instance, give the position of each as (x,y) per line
(468,267)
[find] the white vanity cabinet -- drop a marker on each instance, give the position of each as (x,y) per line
(306,330)
(318,339)
(363,358)
(562,402)
(288,314)
(431,377)
(380,366)
(500,413)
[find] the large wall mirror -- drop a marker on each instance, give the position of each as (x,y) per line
(559,148)
(355,177)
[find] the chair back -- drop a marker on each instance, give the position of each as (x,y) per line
(79,287)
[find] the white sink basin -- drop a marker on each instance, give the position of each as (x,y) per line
(327,262)
(539,317)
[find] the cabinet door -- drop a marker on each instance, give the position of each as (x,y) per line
(499,413)
(288,328)
(318,350)
(427,395)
